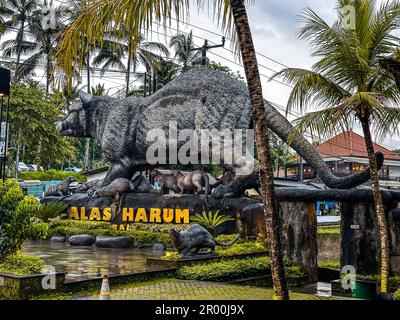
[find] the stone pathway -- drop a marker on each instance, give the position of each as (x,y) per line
(197,290)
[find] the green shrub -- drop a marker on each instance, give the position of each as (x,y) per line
(294,271)
(211,220)
(233,269)
(15,217)
(22,264)
(51,175)
(38,231)
(229,238)
(329,264)
(396,295)
(241,248)
(394,282)
(332,229)
(50,210)
(226,270)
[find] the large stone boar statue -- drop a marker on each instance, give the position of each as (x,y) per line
(196,99)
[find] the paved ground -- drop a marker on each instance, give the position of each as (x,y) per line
(328,219)
(196,290)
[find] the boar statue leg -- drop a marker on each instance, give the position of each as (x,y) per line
(118,170)
(115,171)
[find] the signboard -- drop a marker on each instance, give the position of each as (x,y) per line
(3,139)
(131,215)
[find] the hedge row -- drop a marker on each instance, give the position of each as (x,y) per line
(50,175)
(21,264)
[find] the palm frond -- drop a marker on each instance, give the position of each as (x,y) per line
(311,87)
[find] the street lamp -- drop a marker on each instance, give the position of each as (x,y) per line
(5,79)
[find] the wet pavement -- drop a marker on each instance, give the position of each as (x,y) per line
(89,262)
(197,290)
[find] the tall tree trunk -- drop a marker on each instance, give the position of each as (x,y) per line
(263,148)
(128,67)
(47,73)
(379,209)
(20,38)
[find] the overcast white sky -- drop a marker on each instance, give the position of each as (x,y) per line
(273,24)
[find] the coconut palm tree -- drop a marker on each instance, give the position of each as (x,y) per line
(183,45)
(16,15)
(349,86)
(114,50)
(101,16)
(41,43)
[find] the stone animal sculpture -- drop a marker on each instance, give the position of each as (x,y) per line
(85,187)
(196,237)
(168,181)
(197,99)
(61,189)
(226,179)
(114,189)
(142,185)
(193,181)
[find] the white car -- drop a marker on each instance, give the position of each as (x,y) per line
(22,167)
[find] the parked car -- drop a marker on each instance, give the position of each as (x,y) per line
(34,167)
(22,167)
(72,169)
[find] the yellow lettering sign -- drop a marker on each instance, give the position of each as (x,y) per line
(141,215)
(107,214)
(73,213)
(181,214)
(95,214)
(127,215)
(155,215)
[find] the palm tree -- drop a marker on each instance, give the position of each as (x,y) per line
(19,14)
(280,152)
(42,43)
(98,18)
(349,86)
(183,45)
(114,50)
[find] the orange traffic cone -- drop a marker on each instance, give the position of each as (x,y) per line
(105,289)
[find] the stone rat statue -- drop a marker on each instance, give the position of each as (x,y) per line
(61,189)
(196,237)
(193,181)
(168,181)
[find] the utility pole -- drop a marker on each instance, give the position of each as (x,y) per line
(206,47)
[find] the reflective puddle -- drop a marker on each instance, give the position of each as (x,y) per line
(89,262)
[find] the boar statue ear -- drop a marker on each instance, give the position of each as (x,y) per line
(86,98)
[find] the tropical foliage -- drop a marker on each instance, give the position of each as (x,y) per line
(348,86)
(15,217)
(33,115)
(211,220)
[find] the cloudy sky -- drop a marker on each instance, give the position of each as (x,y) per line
(273,23)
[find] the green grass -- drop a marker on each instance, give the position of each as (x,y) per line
(329,264)
(332,229)
(22,264)
(226,270)
(232,269)
(396,295)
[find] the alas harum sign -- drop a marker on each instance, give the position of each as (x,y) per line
(130,215)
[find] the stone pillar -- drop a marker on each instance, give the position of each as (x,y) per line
(394,238)
(299,235)
(299,231)
(360,243)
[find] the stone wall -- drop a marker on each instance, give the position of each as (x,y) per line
(360,243)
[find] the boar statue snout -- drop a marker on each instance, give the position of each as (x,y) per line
(60,128)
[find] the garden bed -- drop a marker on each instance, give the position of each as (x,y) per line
(200,259)
(13,287)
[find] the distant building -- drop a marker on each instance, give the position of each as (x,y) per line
(346,154)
